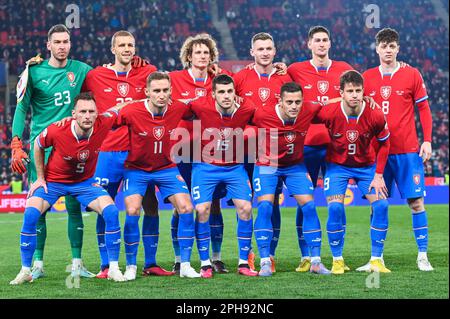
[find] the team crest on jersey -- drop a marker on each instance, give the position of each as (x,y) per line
(71,78)
(158,132)
(83,155)
(264,94)
(123,89)
(416,178)
(323,86)
(385,92)
(290,136)
(225,132)
(200,92)
(352,136)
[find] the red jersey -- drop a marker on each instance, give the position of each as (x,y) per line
(318,85)
(290,137)
(186,86)
(351,137)
(73,160)
(110,88)
(149,134)
(263,90)
(222,136)
(397,93)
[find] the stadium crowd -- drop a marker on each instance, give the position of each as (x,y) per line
(160,28)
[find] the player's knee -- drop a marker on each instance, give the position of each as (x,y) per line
(133,210)
(185,208)
(245,210)
(202,213)
(416,204)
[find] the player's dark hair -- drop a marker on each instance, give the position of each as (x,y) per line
(316,29)
(222,79)
(387,35)
(262,36)
(155,76)
(84,96)
(57,29)
(290,87)
(353,77)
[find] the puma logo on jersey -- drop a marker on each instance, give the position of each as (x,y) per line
(308,87)
(372,93)
(337,135)
(250,93)
(143,133)
(108,90)
(67,158)
(45,81)
(185,93)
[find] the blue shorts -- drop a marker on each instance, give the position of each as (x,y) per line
(337,177)
(84,192)
(169,182)
(110,167)
(207,177)
(408,173)
(314,159)
(266,180)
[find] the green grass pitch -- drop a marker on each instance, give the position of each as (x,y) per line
(405,281)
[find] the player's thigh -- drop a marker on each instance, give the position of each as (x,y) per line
(389,174)
(46,200)
(136,182)
(298,180)
(265,181)
(237,183)
(170,182)
(336,180)
(409,175)
(182,202)
(363,177)
(205,178)
(88,192)
(110,168)
(314,159)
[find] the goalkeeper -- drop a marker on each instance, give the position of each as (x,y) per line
(49,89)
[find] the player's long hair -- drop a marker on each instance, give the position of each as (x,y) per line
(188,45)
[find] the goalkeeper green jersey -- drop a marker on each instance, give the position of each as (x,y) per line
(49,94)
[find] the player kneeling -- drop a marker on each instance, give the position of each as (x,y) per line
(70,171)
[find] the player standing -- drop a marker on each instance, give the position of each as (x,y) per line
(150,124)
(398,89)
(222,127)
(350,155)
(286,125)
(262,85)
(197,54)
(319,78)
(112,84)
(49,91)
(70,170)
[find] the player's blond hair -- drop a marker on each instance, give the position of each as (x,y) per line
(188,46)
(121,33)
(262,36)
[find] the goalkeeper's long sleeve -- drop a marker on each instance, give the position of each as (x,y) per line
(18,124)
